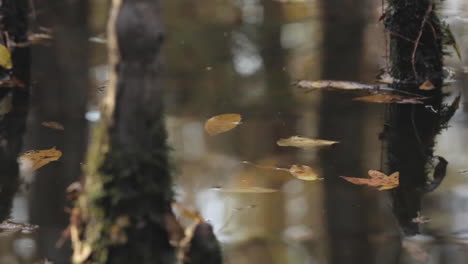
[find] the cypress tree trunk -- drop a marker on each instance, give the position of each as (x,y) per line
(416,54)
(14,100)
(124,213)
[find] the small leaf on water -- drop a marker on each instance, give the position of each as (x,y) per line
(328,84)
(40,158)
(250,189)
(53,125)
(10,226)
(303,142)
(427,86)
(6,104)
(303,172)
(222,123)
(389,99)
(5,58)
(377,179)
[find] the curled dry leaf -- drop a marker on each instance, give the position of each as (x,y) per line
(249,189)
(39,158)
(303,142)
(377,179)
(53,125)
(303,172)
(222,123)
(328,84)
(390,99)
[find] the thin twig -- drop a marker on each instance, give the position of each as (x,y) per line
(413,56)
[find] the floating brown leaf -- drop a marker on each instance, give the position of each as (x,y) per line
(427,86)
(377,179)
(389,99)
(53,125)
(249,189)
(39,158)
(303,172)
(303,142)
(341,85)
(10,226)
(222,123)
(190,214)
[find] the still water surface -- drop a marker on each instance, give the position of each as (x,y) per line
(241,57)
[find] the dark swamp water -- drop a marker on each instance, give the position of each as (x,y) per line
(225,56)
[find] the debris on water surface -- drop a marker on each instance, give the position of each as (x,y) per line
(303,142)
(377,179)
(390,99)
(39,158)
(53,125)
(222,123)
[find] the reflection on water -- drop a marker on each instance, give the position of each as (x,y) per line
(241,57)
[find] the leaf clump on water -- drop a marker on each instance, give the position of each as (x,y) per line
(377,179)
(303,142)
(40,158)
(222,123)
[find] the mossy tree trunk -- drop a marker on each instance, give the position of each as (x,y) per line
(123,215)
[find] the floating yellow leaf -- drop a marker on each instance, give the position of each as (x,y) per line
(377,179)
(190,214)
(427,86)
(53,125)
(6,104)
(39,158)
(222,123)
(249,189)
(303,172)
(389,99)
(5,58)
(303,142)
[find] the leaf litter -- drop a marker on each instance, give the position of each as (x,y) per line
(303,142)
(377,179)
(39,158)
(222,123)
